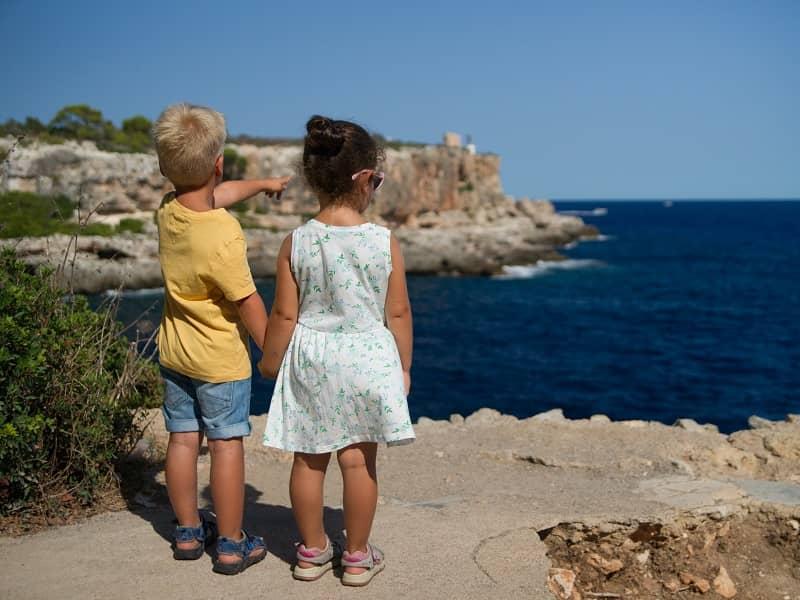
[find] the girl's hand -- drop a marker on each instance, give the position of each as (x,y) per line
(407,381)
(275,186)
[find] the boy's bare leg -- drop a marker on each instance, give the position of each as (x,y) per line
(357,463)
(227,489)
(181,474)
(305,490)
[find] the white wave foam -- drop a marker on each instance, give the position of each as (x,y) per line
(134,293)
(595,212)
(543,267)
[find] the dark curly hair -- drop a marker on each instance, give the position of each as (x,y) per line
(333,152)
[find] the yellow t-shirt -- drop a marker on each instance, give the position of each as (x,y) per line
(204,263)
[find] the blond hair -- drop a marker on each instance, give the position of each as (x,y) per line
(188,140)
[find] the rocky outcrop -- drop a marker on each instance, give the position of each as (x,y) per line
(588,508)
(446,206)
(419,180)
(109,183)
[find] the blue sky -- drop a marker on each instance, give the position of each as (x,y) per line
(581,99)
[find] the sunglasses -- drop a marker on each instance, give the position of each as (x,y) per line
(376,177)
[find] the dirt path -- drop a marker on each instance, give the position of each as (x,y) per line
(469,511)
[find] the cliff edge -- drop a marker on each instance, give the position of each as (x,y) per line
(446,206)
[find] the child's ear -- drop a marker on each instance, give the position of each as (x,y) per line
(365,183)
(218,165)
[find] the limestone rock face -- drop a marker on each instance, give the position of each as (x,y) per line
(108,182)
(446,206)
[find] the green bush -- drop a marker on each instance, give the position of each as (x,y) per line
(27,214)
(234,165)
(83,122)
(70,390)
(103,229)
(130,226)
(24,214)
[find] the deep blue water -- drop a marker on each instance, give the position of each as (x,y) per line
(687,311)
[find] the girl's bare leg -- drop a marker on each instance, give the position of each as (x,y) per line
(357,463)
(305,490)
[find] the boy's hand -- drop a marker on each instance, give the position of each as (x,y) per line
(229,193)
(275,186)
(407,381)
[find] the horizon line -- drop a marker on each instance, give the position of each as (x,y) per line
(684,199)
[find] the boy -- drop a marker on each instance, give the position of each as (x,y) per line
(210,305)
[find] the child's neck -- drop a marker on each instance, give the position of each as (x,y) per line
(199,199)
(340,216)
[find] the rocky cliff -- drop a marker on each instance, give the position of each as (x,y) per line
(446,205)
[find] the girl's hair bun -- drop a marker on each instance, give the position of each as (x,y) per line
(324,136)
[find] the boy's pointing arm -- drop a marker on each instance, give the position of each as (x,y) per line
(231,192)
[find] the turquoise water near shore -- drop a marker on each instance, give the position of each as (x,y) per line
(691,310)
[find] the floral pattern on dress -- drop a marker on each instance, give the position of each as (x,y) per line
(341,381)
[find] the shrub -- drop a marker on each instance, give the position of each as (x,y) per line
(70,390)
(24,214)
(27,214)
(136,134)
(81,122)
(130,226)
(103,229)
(234,165)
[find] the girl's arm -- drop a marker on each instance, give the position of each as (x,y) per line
(398,310)
(284,313)
(231,192)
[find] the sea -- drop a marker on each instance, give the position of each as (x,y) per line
(685,309)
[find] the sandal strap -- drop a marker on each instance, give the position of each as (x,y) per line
(333,550)
(189,534)
(243,547)
(205,530)
(374,556)
(323,557)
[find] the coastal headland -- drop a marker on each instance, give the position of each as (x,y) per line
(445,204)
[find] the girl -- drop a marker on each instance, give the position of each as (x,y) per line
(339,341)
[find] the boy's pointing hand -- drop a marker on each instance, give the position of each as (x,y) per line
(275,186)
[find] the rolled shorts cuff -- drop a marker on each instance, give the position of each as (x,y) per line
(182,425)
(225,432)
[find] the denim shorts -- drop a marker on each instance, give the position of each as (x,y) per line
(221,410)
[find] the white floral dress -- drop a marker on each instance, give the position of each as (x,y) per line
(340,381)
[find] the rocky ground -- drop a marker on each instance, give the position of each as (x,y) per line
(484,507)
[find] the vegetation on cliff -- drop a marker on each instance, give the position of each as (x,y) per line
(71,388)
(82,122)
(24,214)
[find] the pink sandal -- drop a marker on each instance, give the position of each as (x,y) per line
(323,561)
(372,560)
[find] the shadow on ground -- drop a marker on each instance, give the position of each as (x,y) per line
(147,498)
